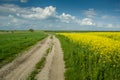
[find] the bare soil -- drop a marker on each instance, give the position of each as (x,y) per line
(54,67)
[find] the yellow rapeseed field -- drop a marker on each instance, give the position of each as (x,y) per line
(103,51)
(107,48)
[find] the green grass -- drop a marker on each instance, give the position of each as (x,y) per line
(37,69)
(39,65)
(12,44)
(71,64)
(82,64)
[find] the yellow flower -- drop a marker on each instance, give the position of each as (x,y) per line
(104,44)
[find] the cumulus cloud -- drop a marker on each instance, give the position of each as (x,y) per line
(40,13)
(34,12)
(90,13)
(67,18)
(10,16)
(87,21)
(11,9)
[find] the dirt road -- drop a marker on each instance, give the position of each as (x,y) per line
(54,67)
(57,67)
(22,66)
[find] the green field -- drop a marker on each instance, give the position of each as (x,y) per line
(91,56)
(12,44)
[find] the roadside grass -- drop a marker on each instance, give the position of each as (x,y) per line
(39,65)
(69,58)
(13,44)
(37,69)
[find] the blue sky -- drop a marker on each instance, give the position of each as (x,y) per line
(60,14)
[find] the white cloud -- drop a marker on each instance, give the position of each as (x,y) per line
(10,16)
(23,1)
(40,13)
(18,14)
(11,8)
(87,21)
(90,13)
(67,18)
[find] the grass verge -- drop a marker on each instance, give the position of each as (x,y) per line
(13,44)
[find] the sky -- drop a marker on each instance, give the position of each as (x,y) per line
(60,14)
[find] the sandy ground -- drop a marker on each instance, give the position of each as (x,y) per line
(54,67)
(57,67)
(22,66)
(44,74)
